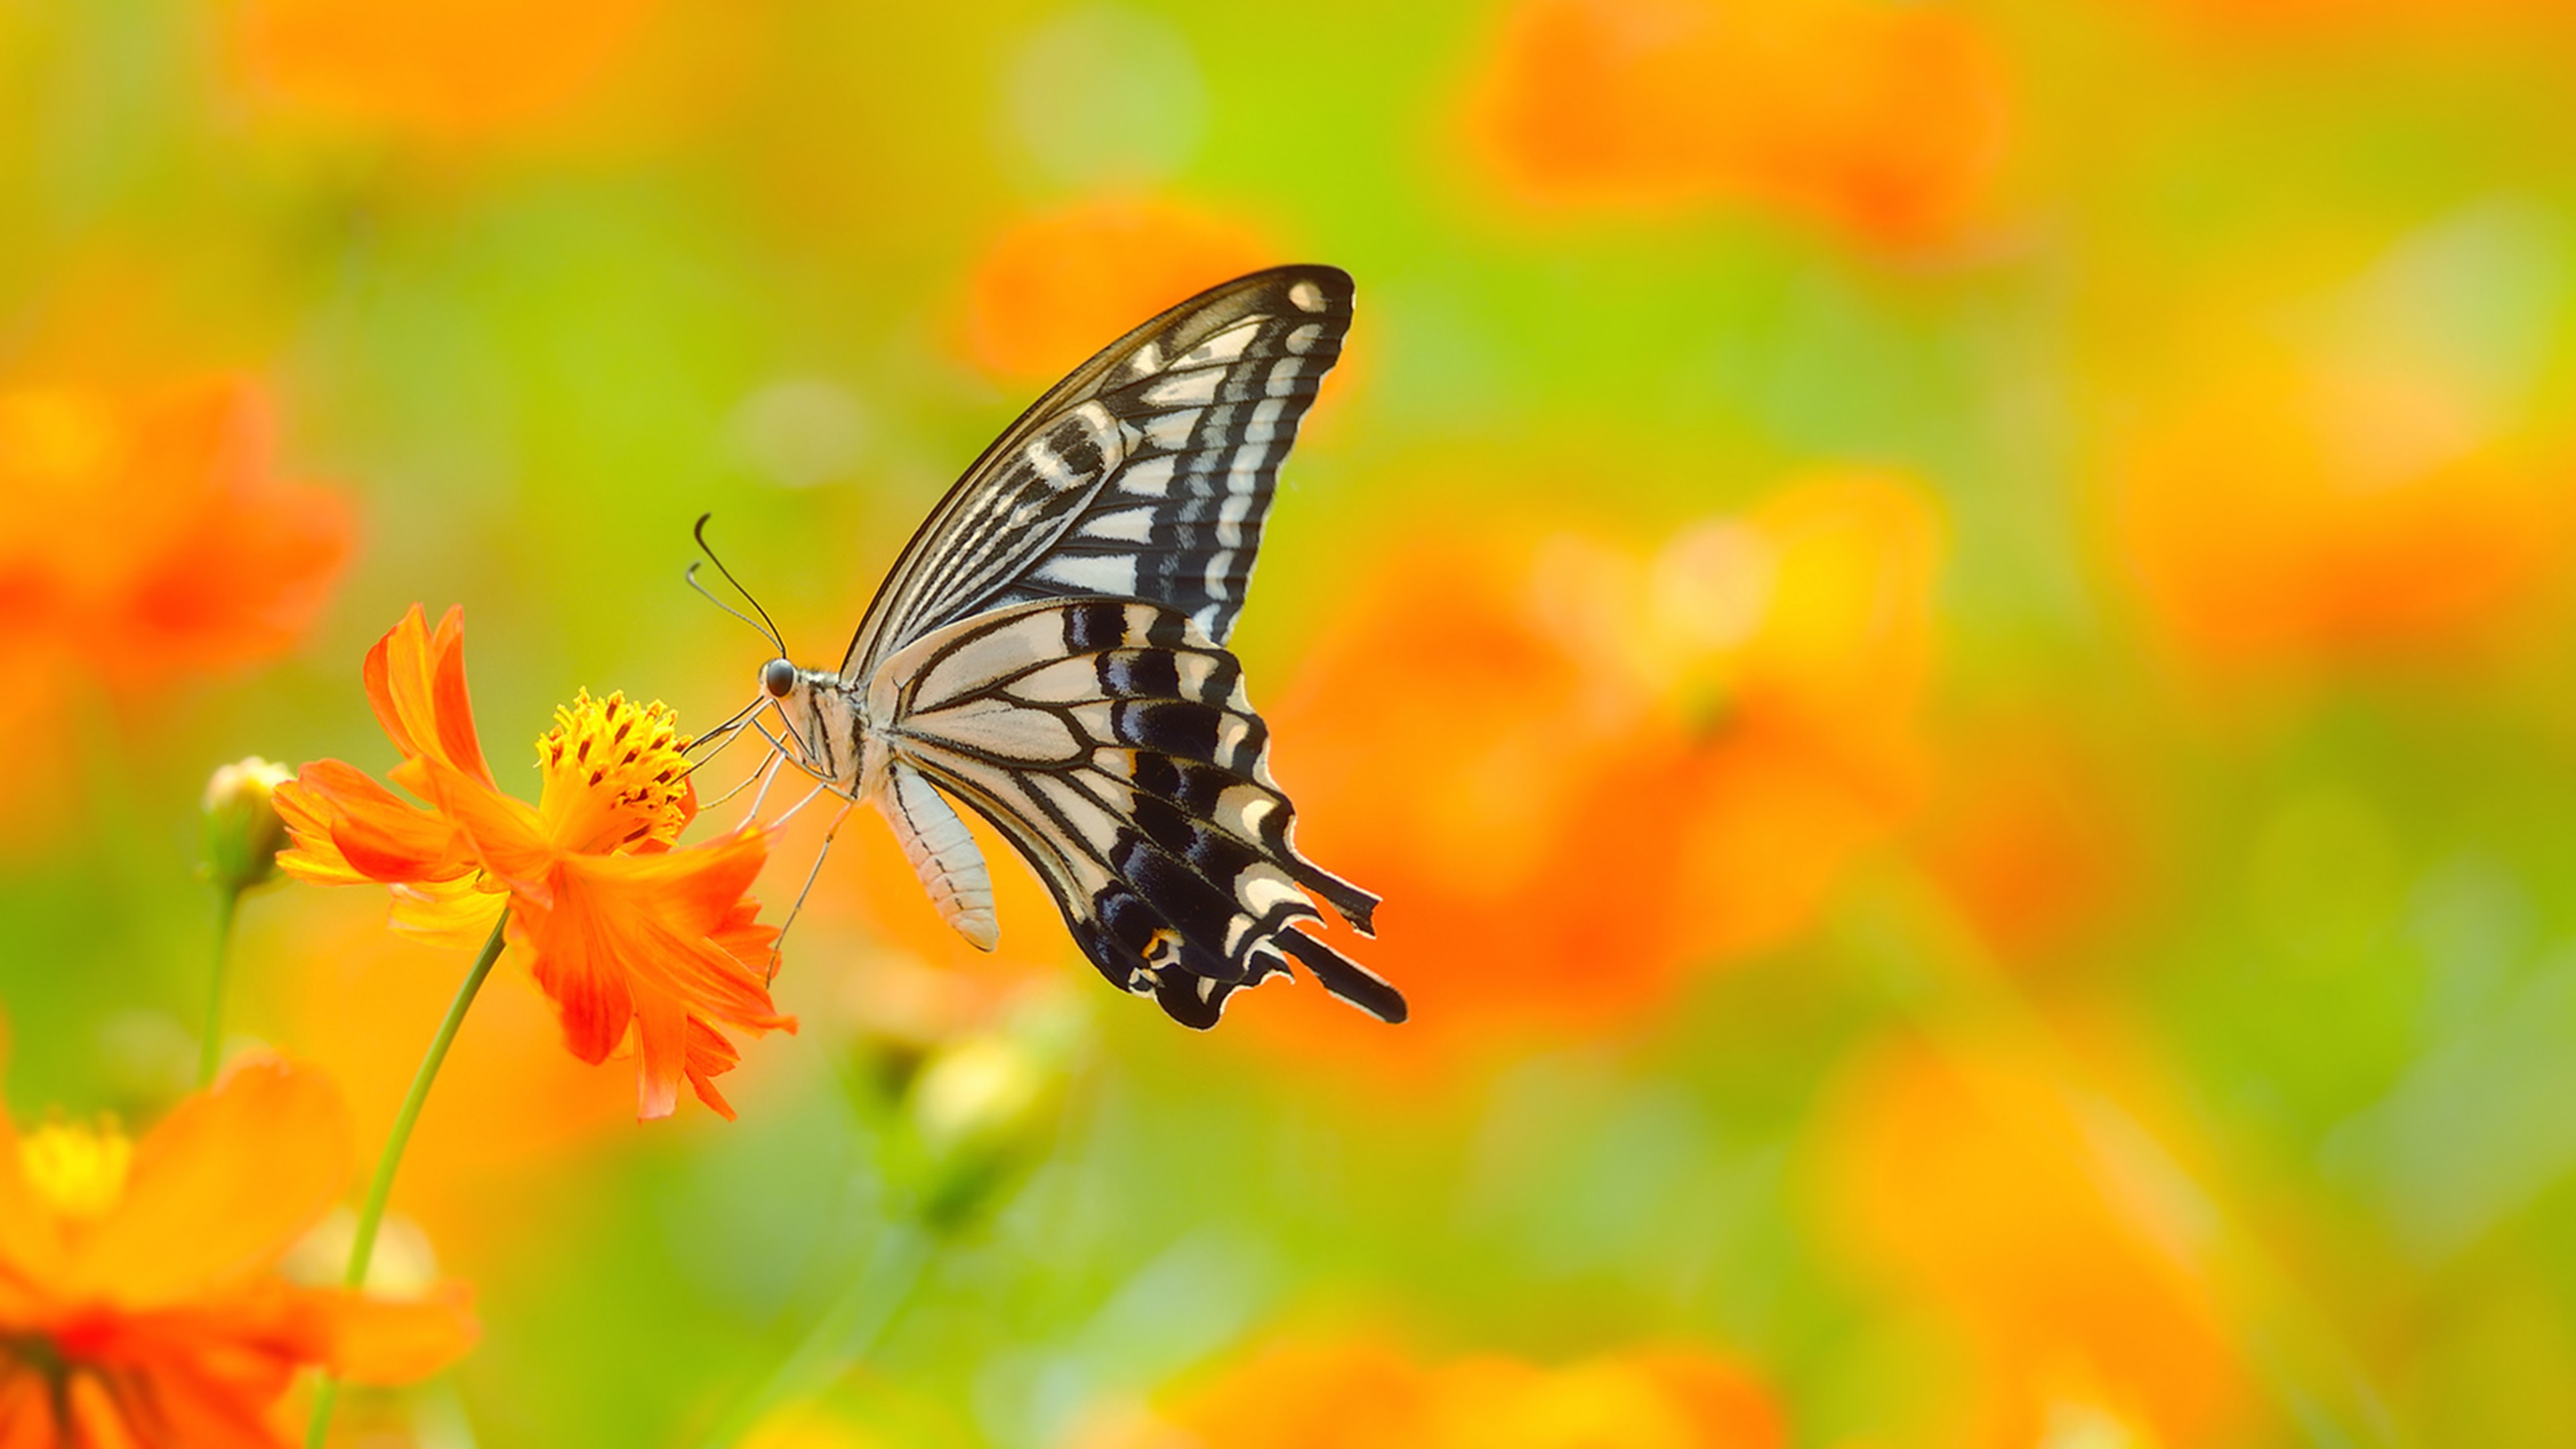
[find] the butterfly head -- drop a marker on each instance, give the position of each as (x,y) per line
(802,698)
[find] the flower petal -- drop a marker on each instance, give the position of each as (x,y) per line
(348,828)
(31,1241)
(97,1420)
(455,914)
(222,1187)
(661,1054)
(416,682)
(711,1056)
(26,1412)
(581,976)
(386,1341)
(507,835)
(659,933)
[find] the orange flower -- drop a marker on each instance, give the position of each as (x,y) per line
(629,936)
(2052,1239)
(1053,289)
(458,70)
(1581,774)
(1368,1394)
(146,538)
(2036,839)
(2416,19)
(2286,514)
(1883,121)
(137,1298)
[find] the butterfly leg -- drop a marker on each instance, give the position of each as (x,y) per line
(815,871)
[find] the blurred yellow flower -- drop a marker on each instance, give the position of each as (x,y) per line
(2286,515)
(1363,1393)
(2066,1254)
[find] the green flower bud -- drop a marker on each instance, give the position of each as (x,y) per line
(242,831)
(981,1111)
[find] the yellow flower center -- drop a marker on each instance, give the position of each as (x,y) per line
(78,1169)
(615,777)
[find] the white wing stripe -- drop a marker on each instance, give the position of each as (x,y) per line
(1127,525)
(1151,478)
(1225,346)
(1171,431)
(1186,387)
(1092,573)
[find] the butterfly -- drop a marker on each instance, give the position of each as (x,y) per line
(1049,652)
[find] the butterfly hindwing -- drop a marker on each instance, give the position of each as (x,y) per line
(1146,474)
(1110,741)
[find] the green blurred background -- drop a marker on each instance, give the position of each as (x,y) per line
(1943,623)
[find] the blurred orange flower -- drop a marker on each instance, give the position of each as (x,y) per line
(1052,289)
(1883,121)
(2047,1234)
(146,538)
(628,935)
(137,1294)
(1368,1394)
(458,70)
(1579,773)
(513,1112)
(2034,837)
(2288,514)
(2288,19)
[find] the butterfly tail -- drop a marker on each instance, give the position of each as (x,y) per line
(1344,977)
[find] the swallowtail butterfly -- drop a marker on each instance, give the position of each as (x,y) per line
(1049,651)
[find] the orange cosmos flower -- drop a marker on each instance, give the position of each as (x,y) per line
(137,1299)
(2068,1262)
(1368,1394)
(1053,289)
(2037,839)
(1585,773)
(2416,20)
(455,71)
(147,537)
(2286,514)
(1884,121)
(630,936)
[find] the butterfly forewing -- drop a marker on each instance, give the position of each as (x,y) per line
(1049,651)
(1110,741)
(1146,474)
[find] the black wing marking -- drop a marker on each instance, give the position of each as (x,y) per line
(1111,743)
(1146,474)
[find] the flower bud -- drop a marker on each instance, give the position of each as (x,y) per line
(982,1111)
(243,833)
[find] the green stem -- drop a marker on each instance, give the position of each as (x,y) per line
(210,1050)
(846,1331)
(371,1216)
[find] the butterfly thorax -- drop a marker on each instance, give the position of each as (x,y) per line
(831,732)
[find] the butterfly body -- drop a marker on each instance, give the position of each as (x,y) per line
(1049,652)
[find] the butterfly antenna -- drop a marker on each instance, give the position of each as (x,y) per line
(764,623)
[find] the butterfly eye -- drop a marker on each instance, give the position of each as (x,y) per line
(778,677)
